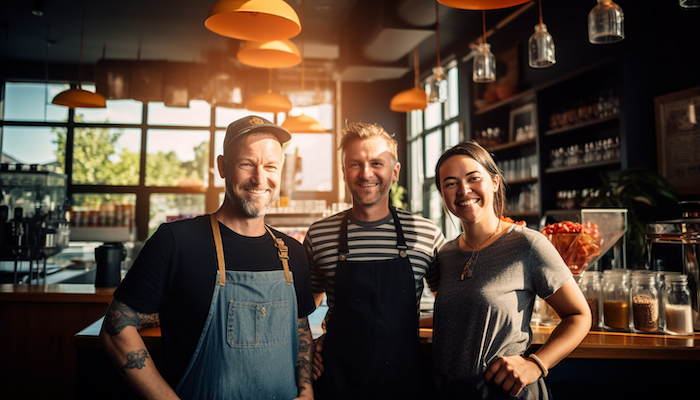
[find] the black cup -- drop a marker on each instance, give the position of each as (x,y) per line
(109,259)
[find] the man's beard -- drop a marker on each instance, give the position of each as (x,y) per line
(381,194)
(250,208)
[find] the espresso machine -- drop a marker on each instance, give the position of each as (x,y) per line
(33,225)
(674,246)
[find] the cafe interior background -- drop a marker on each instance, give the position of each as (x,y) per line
(163,87)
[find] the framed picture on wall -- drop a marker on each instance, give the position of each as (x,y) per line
(523,123)
(678,139)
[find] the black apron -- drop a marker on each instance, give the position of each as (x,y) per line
(372,349)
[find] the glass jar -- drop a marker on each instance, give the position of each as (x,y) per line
(591,288)
(645,302)
(616,300)
(677,305)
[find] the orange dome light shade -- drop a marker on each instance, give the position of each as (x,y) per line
(272,54)
(409,100)
(482,4)
(77,97)
(303,124)
(74,98)
(255,20)
(269,102)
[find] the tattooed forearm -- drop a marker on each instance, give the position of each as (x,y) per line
(120,315)
(136,359)
(305,356)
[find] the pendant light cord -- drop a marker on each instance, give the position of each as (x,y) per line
(80,59)
(483,23)
(416,67)
(303,36)
(437,32)
(269,80)
(540,3)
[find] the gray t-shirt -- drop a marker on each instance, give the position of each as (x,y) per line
(488,315)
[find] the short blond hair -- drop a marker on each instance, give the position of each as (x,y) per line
(362,130)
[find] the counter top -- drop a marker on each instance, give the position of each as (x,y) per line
(618,345)
(57,293)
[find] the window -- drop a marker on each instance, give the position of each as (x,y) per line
(155,158)
(431,131)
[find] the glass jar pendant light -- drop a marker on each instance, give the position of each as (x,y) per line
(541,46)
(484,61)
(606,23)
(437,88)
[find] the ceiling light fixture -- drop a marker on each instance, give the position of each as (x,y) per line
(272,54)
(412,99)
(438,83)
(269,102)
(606,23)
(302,123)
(77,97)
(482,4)
(484,60)
(541,45)
(255,20)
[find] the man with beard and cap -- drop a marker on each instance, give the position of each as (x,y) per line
(370,261)
(230,294)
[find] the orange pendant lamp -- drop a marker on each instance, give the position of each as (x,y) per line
(412,99)
(272,54)
(302,123)
(482,4)
(269,102)
(77,97)
(255,20)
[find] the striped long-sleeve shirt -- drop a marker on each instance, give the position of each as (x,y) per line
(370,241)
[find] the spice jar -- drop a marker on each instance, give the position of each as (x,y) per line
(645,302)
(677,305)
(616,300)
(591,288)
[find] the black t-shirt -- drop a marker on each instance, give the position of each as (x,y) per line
(175,274)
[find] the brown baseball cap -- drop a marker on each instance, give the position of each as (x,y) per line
(253,123)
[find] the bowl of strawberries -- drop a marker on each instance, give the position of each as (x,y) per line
(576,243)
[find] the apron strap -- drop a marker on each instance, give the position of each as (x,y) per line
(282,253)
(343,249)
(219,249)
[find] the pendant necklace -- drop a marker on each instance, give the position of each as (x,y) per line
(467,272)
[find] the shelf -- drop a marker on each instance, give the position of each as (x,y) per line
(523,214)
(599,121)
(511,145)
(523,181)
(102,233)
(582,166)
(522,97)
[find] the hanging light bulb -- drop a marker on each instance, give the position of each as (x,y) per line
(272,54)
(484,60)
(269,101)
(606,23)
(541,45)
(437,89)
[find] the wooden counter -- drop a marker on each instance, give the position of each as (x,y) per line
(38,326)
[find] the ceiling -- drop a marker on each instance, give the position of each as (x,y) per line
(355,40)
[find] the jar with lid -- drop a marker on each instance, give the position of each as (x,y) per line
(677,305)
(616,300)
(645,302)
(589,283)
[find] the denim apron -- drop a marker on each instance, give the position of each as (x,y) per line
(372,350)
(249,344)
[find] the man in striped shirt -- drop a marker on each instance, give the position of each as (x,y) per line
(370,260)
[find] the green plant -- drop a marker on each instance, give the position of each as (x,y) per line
(396,196)
(643,193)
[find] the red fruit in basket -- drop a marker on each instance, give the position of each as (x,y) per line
(576,243)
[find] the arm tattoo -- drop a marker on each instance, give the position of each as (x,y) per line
(120,315)
(305,356)
(136,359)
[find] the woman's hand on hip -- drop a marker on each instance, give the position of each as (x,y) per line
(512,374)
